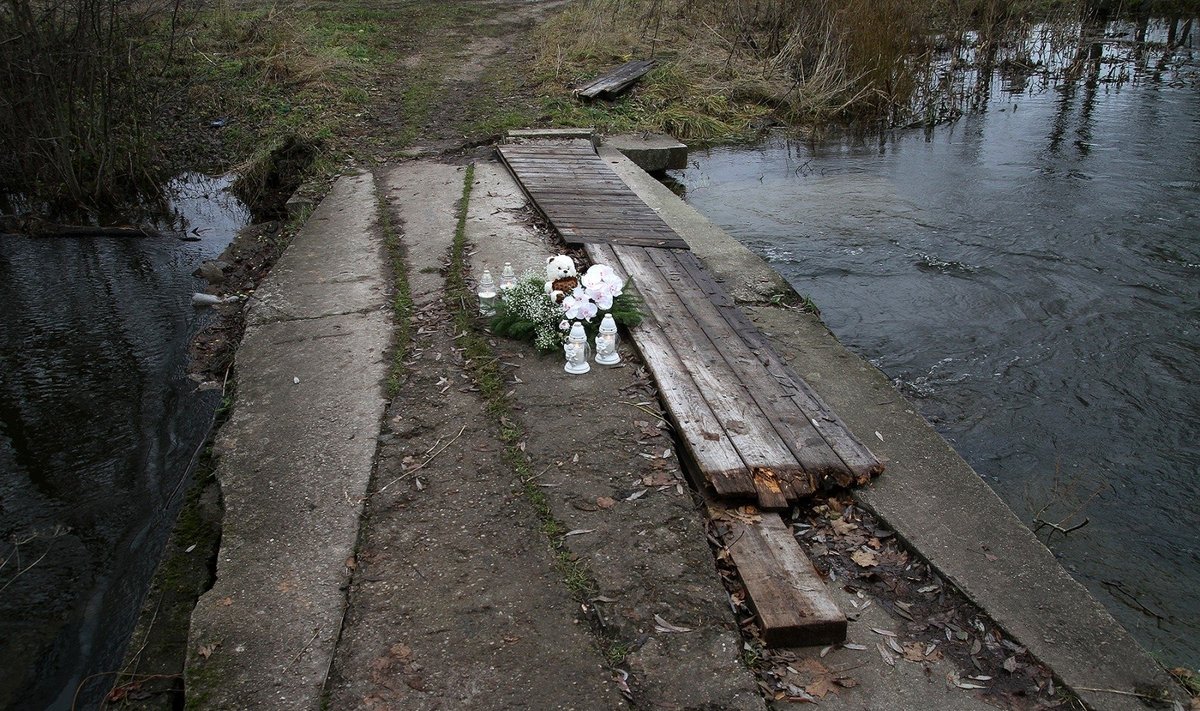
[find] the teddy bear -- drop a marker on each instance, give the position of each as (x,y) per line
(561,277)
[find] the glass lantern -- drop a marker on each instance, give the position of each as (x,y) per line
(508,279)
(606,342)
(576,351)
(487,294)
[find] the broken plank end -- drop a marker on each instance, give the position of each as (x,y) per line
(793,605)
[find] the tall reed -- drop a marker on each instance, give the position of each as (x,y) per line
(77,96)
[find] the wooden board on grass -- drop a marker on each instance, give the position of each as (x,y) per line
(616,81)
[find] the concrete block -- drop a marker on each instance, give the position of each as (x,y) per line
(653,153)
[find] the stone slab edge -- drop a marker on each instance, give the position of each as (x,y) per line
(929,495)
(653,153)
(744,274)
(294,465)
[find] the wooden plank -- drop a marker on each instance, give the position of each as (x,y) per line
(857,457)
(699,429)
(793,605)
(773,465)
(815,456)
(551,145)
(617,80)
(586,239)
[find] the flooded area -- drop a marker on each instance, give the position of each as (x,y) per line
(99,425)
(1029,276)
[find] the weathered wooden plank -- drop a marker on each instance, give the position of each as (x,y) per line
(772,463)
(857,457)
(793,605)
(562,144)
(816,457)
(586,239)
(698,427)
(617,80)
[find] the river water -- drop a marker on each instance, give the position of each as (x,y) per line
(98,427)
(1030,277)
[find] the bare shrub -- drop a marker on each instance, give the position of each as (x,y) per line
(77,96)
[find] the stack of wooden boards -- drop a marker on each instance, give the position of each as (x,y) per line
(751,426)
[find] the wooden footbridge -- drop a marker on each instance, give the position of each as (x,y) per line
(752,427)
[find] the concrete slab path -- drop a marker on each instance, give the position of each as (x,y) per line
(456,601)
(294,462)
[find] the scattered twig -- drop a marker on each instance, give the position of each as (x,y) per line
(1131,600)
(303,649)
(417,468)
(26,569)
(134,677)
(646,410)
(1042,523)
(1118,691)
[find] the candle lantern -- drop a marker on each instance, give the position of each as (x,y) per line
(508,279)
(576,350)
(487,294)
(606,342)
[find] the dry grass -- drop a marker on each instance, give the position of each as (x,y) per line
(726,68)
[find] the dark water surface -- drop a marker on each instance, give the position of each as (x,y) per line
(1030,276)
(98,426)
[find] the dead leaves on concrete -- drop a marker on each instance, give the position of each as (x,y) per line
(933,622)
(807,681)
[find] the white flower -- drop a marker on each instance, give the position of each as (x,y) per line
(579,306)
(603,299)
(564,325)
(601,279)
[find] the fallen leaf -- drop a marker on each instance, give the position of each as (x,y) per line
(226,601)
(855,647)
(895,646)
(636,495)
(913,652)
(885,633)
(928,589)
(1010,665)
(604,502)
(879,435)
(206,650)
(864,559)
(663,626)
(953,678)
(885,654)
(579,532)
(842,527)
(820,686)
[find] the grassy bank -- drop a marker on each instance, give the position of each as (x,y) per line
(727,69)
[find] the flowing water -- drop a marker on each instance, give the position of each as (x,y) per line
(98,427)
(1030,277)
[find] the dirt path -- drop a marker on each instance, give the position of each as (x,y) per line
(456,602)
(459,76)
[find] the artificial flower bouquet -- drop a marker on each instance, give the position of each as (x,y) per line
(525,311)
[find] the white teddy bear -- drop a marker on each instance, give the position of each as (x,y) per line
(561,277)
